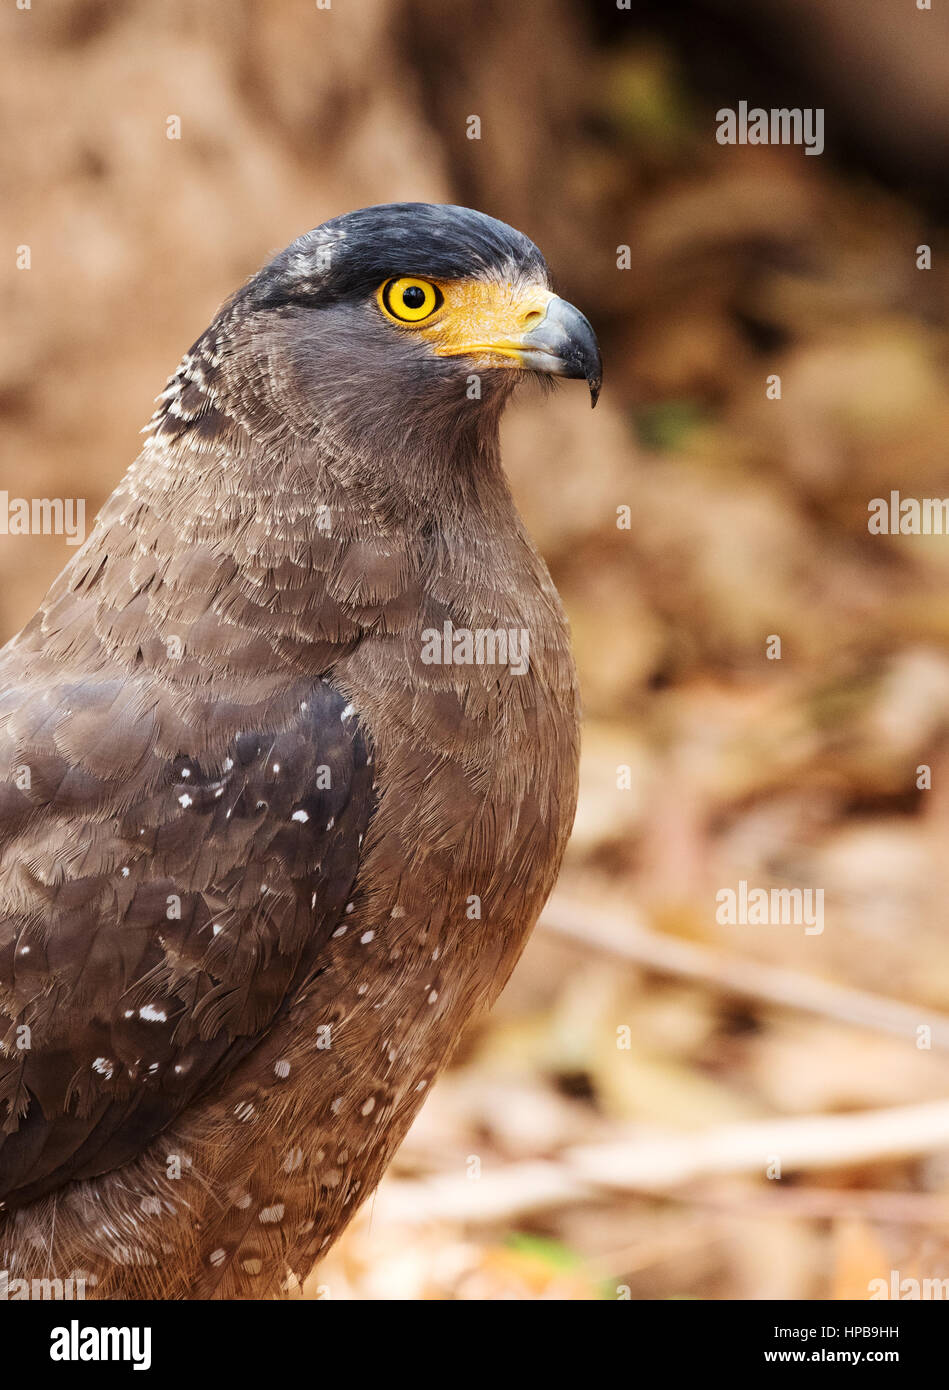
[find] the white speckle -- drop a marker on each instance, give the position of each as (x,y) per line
(245,1110)
(421,1085)
(301,816)
(349,907)
(392,1054)
(348,713)
(129,1013)
(252,1266)
(436,953)
(24,950)
(228,764)
(313,900)
(125,872)
(367,937)
(433,996)
(281,1069)
(276,767)
(153,1068)
(217,1257)
(216,927)
(336,1104)
(184,799)
(361,989)
(104,1067)
(331,822)
(293,1160)
(368,1106)
(340,931)
(397,911)
(152,1015)
(179,1069)
(271,1214)
(186,772)
(219,792)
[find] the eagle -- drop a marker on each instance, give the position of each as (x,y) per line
(288,763)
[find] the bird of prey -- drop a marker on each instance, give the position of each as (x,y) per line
(288,761)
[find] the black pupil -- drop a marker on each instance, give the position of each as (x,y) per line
(413,297)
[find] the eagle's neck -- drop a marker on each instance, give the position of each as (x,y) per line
(220,561)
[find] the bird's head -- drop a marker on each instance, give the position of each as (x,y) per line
(396,313)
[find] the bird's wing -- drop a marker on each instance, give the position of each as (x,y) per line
(152,927)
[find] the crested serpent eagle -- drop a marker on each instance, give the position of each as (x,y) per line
(288,760)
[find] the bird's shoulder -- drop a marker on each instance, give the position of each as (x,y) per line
(156,912)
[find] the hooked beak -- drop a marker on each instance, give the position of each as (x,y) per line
(531,329)
(563,344)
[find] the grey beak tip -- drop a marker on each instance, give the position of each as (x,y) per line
(566,345)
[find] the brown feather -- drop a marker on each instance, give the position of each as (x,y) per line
(239,981)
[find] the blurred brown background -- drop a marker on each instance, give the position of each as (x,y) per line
(609,1130)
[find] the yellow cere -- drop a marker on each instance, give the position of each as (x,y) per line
(474,317)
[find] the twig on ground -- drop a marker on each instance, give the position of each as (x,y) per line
(658,1162)
(630,939)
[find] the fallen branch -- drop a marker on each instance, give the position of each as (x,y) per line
(655,1162)
(824,1204)
(658,1162)
(632,941)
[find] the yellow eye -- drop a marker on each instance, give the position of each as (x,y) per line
(409,300)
